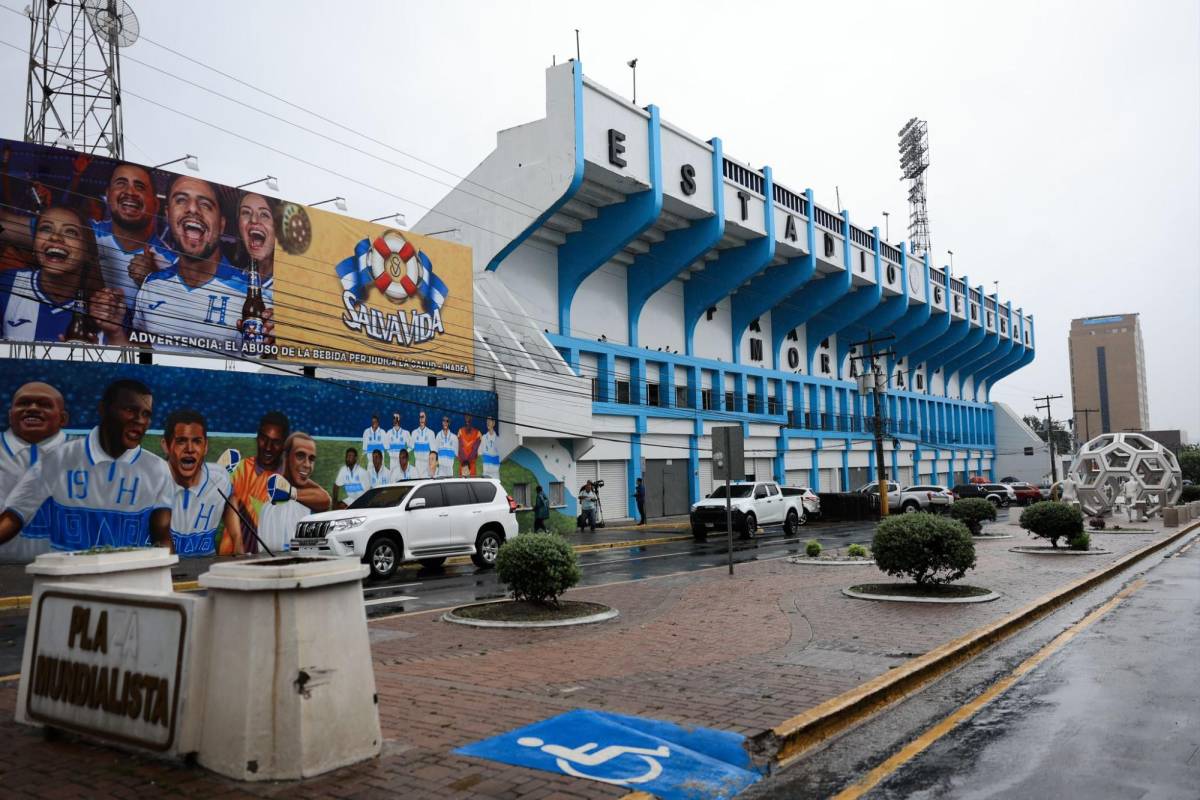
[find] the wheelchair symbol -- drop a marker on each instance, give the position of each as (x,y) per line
(587,756)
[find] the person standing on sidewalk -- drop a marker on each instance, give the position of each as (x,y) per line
(541,510)
(587,507)
(639,495)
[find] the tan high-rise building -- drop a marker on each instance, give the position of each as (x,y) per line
(1108,375)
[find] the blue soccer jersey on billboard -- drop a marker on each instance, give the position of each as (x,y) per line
(92,499)
(115,260)
(197,511)
(28,314)
(177,315)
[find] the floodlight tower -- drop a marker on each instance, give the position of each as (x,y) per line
(914,160)
(73,95)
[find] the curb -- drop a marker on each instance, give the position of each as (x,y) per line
(20,601)
(902,598)
(1033,550)
(784,744)
(599,616)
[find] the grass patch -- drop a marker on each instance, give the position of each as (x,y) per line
(914,590)
(522,611)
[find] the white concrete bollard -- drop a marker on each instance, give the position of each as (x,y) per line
(291,690)
(144,569)
(1171,517)
(1014,514)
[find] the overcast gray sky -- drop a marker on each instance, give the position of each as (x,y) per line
(1064,136)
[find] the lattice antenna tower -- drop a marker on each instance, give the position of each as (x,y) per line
(914,160)
(73,96)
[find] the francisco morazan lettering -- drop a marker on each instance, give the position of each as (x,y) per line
(111,689)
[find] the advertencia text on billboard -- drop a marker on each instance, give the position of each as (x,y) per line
(114,253)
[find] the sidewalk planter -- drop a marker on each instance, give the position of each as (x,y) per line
(143,569)
(292,693)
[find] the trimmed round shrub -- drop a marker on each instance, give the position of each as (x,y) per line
(1080,542)
(1052,520)
(812,549)
(1097,523)
(1189,494)
(973,512)
(538,567)
(929,549)
(856,551)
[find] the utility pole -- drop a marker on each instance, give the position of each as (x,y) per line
(878,379)
(1087,419)
(1049,431)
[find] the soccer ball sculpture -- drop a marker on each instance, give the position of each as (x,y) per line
(1129,465)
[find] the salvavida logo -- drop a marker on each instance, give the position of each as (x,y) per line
(394,327)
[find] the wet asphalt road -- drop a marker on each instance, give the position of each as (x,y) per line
(1114,714)
(413,589)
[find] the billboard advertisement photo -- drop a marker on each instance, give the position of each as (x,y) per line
(115,253)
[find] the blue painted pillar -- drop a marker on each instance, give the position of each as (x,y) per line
(633,467)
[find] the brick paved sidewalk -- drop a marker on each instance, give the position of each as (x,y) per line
(739,654)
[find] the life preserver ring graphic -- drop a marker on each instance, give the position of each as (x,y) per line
(394,265)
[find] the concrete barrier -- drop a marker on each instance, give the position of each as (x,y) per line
(144,569)
(1171,517)
(291,690)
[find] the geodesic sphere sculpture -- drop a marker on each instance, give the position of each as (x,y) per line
(1104,464)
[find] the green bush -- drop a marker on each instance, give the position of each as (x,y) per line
(1097,523)
(1189,494)
(927,548)
(1053,521)
(856,551)
(1080,542)
(973,512)
(813,548)
(538,567)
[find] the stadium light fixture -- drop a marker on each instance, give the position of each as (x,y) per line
(338,202)
(190,161)
(271,181)
(396,219)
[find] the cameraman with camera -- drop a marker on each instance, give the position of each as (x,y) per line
(587,505)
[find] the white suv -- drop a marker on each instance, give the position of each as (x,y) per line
(415,520)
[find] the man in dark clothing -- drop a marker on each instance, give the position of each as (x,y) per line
(541,510)
(639,495)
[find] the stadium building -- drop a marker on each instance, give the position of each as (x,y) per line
(635,286)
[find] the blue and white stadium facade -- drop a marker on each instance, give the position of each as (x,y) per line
(636,286)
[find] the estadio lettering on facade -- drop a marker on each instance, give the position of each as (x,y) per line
(110,667)
(106,252)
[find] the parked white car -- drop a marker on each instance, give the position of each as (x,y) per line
(810,499)
(415,520)
(931,498)
(754,504)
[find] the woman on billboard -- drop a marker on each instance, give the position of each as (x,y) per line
(45,303)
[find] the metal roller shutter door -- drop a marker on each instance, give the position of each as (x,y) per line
(829,480)
(905,476)
(614,497)
(706,477)
(797,477)
(584,471)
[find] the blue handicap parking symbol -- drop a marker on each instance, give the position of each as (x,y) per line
(658,757)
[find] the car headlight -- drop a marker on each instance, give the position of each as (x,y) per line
(347,523)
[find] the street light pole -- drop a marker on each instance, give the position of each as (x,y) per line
(1049,431)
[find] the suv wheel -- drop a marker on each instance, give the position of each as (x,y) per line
(383,556)
(911,507)
(700,533)
(487,546)
(994,500)
(749,526)
(792,523)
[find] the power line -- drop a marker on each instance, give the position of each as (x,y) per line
(1049,430)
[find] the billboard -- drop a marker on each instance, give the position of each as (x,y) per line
(115,253)
(101,455)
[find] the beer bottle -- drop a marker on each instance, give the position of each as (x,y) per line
(81,328)
(253,309)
